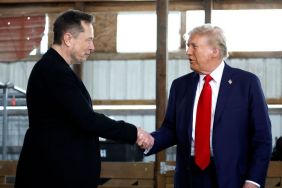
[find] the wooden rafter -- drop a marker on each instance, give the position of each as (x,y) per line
(10,7)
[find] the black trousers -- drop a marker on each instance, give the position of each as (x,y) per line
(203,178)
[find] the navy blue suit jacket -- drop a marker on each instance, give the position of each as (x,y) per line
(241,131)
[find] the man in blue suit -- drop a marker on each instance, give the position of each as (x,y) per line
(239,129)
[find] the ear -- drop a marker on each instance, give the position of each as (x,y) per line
(215,52)
(67,39)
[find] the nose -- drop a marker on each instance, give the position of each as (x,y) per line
(92,47)
(188,51)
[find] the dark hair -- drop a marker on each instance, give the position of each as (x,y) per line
(70,21)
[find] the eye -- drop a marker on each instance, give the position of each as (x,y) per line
(194,46)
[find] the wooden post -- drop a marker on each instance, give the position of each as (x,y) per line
(208,6)
(51,20)
(161,96)
(182,29)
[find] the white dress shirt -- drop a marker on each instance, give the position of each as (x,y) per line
(215,84)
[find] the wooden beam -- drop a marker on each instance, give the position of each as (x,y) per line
(208,6)
(67,1)
(182,30)
(30,9)
(274,101)
(105,28)
(124,102)
(173,55)
(266,54)
(108,6)
(51,19)
(19,7)
(161,61)
(237,5)
(180,55)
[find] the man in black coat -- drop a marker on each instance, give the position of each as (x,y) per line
(61,146)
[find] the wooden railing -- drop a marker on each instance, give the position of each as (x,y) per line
(273,180)
(134,175)
(113,174)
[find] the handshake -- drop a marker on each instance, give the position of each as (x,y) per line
(144,139)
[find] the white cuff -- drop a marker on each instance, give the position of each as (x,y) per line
(252,182)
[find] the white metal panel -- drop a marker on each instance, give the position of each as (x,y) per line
(88,76)
(4,72)
(101,80)
(238,63)
(258,67)
(18,73)
(149,88)
(273,79)
(118,79)
(268,70)
(176,69)
(134,77)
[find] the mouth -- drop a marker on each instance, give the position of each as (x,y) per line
(190,60)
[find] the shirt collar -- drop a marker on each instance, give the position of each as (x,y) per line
(216,74)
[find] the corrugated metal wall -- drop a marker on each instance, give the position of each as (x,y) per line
(135,79)
(131,79)
(16,73)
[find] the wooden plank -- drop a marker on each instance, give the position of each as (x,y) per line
(8,168)
(161,92)
(105,28)
(108,6)
(266,54)
(208,6)
(275,169)
(120,182)
(62,1)
(272,182)
(6,186)
(128,183)
(124,102)
(182,30)
(126,170)
(173,55)
(29,9)
(274,101)
(274,174)
(19,7)
(236,5)
(116,186)
(2,179)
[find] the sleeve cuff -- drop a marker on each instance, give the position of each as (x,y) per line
(252,182)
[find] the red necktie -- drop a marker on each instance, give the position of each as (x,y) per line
(203,125)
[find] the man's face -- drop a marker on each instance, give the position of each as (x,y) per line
(199,53)
(82,45)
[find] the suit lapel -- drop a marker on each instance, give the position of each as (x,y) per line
(191,92)
(224,90)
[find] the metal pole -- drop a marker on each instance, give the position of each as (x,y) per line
(5,88)
(5,123)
